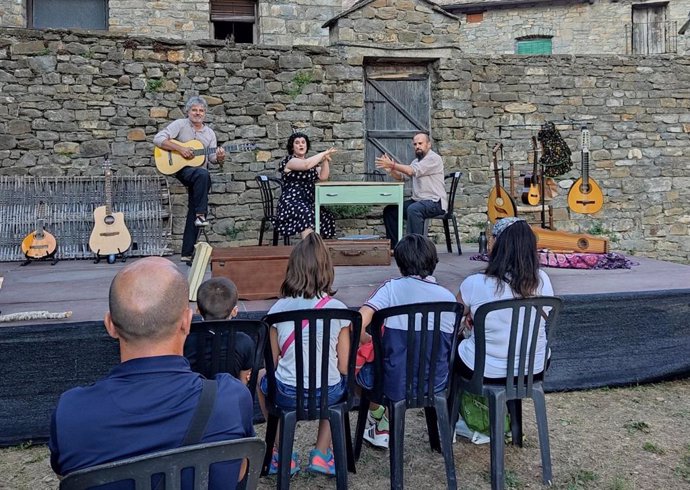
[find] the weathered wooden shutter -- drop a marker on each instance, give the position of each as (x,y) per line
(233,10)
(397,106)
(534,46)
(649,29)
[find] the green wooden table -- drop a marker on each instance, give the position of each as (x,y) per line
(332,192)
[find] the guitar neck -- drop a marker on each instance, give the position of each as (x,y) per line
(228,147)
(108,192)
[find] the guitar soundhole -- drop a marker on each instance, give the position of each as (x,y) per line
(583,243)
(109,220)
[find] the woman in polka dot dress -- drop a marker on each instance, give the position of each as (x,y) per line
(295,212)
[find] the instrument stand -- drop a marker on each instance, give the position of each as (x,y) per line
(53,260)
(543,197)
(112,258)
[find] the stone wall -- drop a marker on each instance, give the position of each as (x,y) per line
(296,23)
(597,27)
(397,22)
(69,98)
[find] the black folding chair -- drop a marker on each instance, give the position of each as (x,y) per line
(142,470)
(526,317)
(449,215)
(309,407)
(427,350)
(268,186)
(211,345)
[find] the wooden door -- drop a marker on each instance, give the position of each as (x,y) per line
(397,106)
(649,29)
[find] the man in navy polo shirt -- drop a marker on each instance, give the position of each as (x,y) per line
(146,403)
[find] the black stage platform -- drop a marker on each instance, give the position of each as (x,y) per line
(618,327)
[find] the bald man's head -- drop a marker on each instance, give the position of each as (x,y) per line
(148,298)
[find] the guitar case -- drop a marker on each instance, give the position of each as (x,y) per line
(202,257)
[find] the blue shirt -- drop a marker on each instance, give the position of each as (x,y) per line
(404,291)
(144,405)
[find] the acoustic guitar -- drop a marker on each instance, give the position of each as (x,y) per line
(585,195)
(530,193)
(501,204)
(39,244)
(170,162)
(110,234)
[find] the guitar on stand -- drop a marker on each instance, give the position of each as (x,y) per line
(585,195)
(501,204)
(39,244)
(110,236)
(170,162)
(531,194)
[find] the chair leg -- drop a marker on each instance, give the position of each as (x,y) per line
(446,229)
(457,235)
(497,404)
(287,436)
(515,411)
(432,428)
(446,433)
(261,231)
(271,430)
(361,421)
(396,438)
(348,442)
(454,402)
(275,237)
(543,430)
(336,420)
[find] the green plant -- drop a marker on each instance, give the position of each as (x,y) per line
(619,483)
(597,228)
(232,232)
(637,426)
(512,480)
(299,81)
(582,479)
(683,468)
(349,211)
(154,84)
(44,52)
(650,447)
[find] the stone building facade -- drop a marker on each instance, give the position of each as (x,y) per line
(487,27)
(68,98)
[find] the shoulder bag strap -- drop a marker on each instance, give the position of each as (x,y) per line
(305,323)
(197,426)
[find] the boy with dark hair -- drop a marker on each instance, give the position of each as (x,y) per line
(216,299)
(416,258)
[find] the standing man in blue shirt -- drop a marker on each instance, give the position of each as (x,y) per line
(146,403)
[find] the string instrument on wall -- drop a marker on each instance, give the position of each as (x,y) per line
(585,195)
(530,193)
(170,162)
(39,244)
(501,204)
(562,241)
(110,235)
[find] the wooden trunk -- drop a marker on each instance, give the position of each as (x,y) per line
(359,252)
(257,272)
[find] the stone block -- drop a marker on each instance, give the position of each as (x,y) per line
(136,134)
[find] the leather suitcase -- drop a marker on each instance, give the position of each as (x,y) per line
(359,252)
(258,272)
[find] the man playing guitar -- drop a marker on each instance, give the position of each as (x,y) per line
(196,179)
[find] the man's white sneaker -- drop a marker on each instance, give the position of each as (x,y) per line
(376,437)
(200,221)
(462,430)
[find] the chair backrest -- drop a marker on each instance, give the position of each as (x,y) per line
(317,319)
(170,463)
(211,346)
(455,180)
(528,312)
(429,353)
(267,187)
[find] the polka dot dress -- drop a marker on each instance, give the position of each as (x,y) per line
(296,206)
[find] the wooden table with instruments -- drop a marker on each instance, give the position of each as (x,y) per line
(333,192)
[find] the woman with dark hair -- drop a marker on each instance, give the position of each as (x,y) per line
(513,272)
(299,173)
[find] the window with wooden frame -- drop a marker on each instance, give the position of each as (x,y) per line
(474,18)
(67,14)
(234,19)
(533,45)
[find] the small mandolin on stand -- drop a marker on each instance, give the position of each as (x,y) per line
(39,244)
(530,193)
(585,195)
(501,204)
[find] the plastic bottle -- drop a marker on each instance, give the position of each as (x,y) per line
(482,242)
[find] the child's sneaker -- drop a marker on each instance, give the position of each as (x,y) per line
(462,430)
(323,463)
(275,462)
(376,435)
